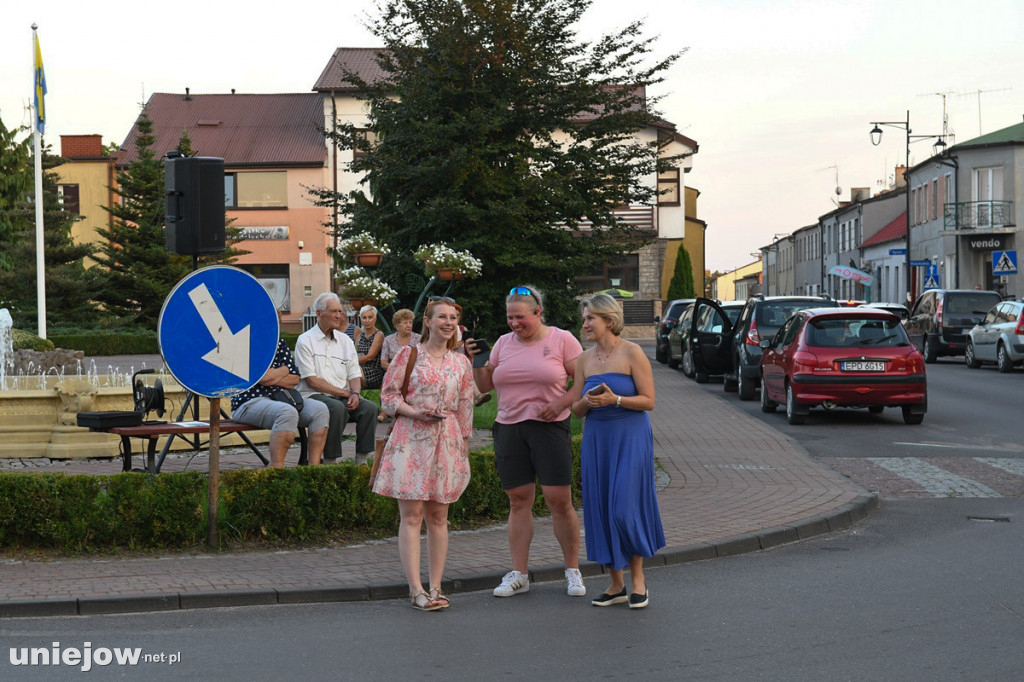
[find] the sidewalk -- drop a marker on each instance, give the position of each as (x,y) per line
(731,484)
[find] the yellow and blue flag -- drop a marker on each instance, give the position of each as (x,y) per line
(40,90)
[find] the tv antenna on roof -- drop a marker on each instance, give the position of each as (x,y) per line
(839,190)
(978,92)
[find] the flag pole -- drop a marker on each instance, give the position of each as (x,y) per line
(39,87)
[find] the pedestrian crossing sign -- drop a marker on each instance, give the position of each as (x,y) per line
(931,282)
(1004,262)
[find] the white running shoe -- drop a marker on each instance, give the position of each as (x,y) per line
(574,578)
(512,584)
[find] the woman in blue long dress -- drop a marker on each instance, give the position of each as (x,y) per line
(614,389)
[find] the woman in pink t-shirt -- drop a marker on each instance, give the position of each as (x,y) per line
(530,368)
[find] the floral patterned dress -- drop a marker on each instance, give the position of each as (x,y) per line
(427,460)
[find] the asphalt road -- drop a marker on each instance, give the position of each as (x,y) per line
(971,432)
(917,592)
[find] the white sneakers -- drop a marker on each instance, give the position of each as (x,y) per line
(574,580)
(512,584)
(515,583)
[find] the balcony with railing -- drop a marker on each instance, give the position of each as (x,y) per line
(636,217)
(978,215)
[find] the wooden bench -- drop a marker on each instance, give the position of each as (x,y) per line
(153,431)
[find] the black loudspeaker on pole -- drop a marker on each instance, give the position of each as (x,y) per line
(194,187)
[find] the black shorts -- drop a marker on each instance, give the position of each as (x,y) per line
(533,451)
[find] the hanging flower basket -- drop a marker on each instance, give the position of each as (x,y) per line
(368,291)
(358,303)
(360,243)
(450,274)
(446,263)
(368,260)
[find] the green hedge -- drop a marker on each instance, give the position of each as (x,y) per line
(108,342)
(77,513)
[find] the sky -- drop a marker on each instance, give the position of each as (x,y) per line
(779,95)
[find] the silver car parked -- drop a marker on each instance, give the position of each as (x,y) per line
(998,338)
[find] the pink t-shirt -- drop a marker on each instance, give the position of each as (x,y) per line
(528,376)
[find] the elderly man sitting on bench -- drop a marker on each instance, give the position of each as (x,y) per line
(257,406)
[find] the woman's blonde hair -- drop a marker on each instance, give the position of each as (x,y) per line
(606,307)
(428,313)
(401,316)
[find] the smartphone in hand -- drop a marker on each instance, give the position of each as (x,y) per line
(483,352)
(597,390)
(433,416)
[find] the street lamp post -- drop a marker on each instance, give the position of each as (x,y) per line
(940,144)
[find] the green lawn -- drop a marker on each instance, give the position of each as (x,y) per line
(483,416)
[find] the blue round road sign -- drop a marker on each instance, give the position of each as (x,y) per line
(218,331)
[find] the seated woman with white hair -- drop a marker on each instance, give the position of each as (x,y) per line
(369,341)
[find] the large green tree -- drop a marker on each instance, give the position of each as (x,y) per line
(499,131)
(139,271)
(70,288)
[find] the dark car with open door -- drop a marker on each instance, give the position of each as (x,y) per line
(760,318)
(710,323)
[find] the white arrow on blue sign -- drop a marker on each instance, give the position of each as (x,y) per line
(218,331)
(1004,262)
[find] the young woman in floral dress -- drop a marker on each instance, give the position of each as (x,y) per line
(425,465)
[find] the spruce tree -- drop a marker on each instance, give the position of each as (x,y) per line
(500,132)
(139,271)
(681,284)
(16,185)
(70,288)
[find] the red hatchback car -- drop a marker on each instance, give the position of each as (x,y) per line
(843,357)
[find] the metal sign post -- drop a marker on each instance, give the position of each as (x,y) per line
(218,333)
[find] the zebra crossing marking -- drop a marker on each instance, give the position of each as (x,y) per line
(933,479)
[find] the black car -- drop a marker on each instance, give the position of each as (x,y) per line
(679,331)
(735,351)
(710,321)
(673,311)
(941,319)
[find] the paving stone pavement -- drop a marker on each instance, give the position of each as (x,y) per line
(729,483)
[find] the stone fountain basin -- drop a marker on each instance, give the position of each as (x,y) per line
(42,422)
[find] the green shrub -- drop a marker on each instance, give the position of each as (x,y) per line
(108,342)
(23,340)
(76,513)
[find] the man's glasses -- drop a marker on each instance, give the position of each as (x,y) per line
(441,299)
(523,291)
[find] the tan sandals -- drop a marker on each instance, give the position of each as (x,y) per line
(437,596)
(421,601)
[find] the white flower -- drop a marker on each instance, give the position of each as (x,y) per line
(362,242)
(441,256)
(349,274)
(369,287)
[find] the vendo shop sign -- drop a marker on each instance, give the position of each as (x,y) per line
(987,243)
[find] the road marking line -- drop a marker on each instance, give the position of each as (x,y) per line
(1013,466)
(933,479)
(960,446)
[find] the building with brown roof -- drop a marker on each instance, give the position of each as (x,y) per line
(273,151)
(84,185)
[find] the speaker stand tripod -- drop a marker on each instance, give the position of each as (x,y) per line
(194,440)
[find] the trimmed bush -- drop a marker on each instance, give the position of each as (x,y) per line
(22,340)
(76,513)
(109,342)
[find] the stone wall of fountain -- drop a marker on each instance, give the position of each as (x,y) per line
(42,394)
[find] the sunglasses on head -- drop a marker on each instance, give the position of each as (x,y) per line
(523,291)
(441,299)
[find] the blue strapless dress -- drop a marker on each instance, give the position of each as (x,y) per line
(620,502)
